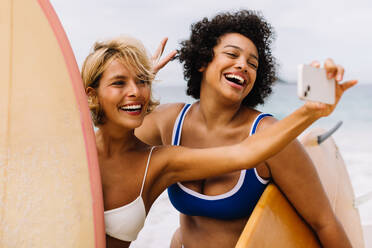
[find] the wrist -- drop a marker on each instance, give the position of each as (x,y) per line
(309,113)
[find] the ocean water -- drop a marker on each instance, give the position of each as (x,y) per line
(354,140)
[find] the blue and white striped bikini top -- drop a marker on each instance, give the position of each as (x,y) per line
(237,203)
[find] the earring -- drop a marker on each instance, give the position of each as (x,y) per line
(92,102)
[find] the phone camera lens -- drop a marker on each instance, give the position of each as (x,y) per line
(305,93)
(308,88)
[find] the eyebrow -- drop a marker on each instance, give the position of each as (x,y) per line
(238,48)
(118,77)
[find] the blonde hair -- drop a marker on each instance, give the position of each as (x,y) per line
(130,52)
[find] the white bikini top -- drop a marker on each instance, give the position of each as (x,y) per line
(126,222)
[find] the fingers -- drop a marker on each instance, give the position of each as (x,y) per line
(348,84)
(341,88)
(315,64)
(340,73)
(333,71)
(330,68)
(160,63)
(165,60)
(159,51)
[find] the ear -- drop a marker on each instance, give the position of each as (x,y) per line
(91,92)
(92,96)
(202,69)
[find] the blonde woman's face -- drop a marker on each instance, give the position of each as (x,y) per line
(122,96)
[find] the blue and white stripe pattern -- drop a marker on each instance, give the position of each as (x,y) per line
(234,204)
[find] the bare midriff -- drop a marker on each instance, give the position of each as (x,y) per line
(198,231)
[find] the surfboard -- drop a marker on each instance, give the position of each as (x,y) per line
(50,189)
(275,223)
(336,182)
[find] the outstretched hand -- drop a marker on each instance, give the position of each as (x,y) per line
(333,72)
(160,63)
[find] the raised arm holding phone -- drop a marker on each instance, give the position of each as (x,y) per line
(228,65)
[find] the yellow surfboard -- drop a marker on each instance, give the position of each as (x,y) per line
(275,223)
(50,189)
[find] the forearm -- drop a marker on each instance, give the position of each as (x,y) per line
(301,185)
(193,164)
(278,136)
(333,235)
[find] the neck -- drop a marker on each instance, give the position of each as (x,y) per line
(216,111)
(111,141)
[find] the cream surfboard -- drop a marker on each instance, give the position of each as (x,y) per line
(50,189)
(275,223)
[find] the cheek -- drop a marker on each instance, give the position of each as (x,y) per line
(252,79)
(103,103)
(146,93)
(210,74)
(104,97)
(252,75)
(107,99)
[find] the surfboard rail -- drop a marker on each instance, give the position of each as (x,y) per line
(85,120)
(50,188)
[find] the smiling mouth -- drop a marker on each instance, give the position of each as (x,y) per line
(236,79)
(132,108)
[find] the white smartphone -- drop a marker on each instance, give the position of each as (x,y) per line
(313,85)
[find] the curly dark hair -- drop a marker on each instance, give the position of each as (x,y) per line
(197,51)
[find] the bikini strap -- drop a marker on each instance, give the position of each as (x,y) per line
(147,166)
(253,131)
(257,121)
(177,129)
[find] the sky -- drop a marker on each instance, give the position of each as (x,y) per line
(305,30)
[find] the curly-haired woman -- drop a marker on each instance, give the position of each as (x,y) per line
(117,76)
(228,65)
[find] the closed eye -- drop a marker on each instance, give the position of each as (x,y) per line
(232,55)
(253,65)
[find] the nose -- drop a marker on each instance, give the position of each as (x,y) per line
(242,65)
(133,90)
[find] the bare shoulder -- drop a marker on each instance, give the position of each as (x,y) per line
(266,122)
(156,128)
(168,110)
(251,114)
(293,150)
(166,115)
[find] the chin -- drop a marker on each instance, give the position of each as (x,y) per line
(133,124)
(234,98)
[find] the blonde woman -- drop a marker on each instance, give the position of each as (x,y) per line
(117,77)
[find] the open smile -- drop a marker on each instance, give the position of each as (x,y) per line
(132,109)
(235,80)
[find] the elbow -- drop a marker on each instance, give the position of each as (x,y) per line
(173,174)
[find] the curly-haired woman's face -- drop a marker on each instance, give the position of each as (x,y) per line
(232,71)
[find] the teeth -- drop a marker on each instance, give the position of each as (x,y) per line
(131,107)
(236,77)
